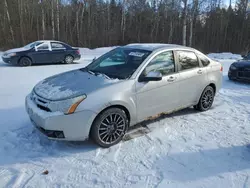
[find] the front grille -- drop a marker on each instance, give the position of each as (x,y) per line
(245,74)
(41,103)
(43,108)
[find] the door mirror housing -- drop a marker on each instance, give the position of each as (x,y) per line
(151,76)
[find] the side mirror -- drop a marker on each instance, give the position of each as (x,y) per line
(151,76)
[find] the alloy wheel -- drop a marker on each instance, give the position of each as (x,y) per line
(207,99)
(112,128)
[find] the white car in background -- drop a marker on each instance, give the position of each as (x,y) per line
(122,88)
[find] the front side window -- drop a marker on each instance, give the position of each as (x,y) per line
(44,46)
(163,62)
(55,45)
(187,60)
(32,45)
(119,63)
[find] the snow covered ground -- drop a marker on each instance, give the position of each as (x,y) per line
(186,149)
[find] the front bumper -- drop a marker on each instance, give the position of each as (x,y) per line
(11,60)
(239,75)
(58,126)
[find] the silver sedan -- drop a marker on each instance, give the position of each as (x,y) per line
(123,87)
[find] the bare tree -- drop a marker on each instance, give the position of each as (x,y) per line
(52,19)
(9,20)
(58,19)
(184,27)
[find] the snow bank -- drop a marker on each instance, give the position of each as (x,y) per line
(225,55)
(89,54)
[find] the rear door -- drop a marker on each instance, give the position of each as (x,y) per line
(193,77)
(156,97)
(58,52)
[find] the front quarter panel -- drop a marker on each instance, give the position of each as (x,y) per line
(121,93)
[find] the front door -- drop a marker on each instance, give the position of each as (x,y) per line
(155,97)
(42,54)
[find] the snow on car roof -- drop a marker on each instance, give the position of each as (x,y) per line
(49,41)
(155,46)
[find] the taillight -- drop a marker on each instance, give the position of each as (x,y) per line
(221,68)
(78,52)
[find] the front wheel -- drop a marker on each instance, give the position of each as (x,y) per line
(206,99)
(68,59)
(25,61)
(109,127)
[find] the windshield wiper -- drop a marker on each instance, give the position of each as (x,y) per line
(100,73)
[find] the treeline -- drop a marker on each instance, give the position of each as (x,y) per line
(208,25)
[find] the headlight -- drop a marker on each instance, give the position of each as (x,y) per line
(75,104)
(10,55)
(232,67)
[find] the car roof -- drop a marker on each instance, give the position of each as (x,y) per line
(49,41)
(156,46)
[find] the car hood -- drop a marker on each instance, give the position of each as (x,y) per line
(71,84)
(15,50)
(242,63)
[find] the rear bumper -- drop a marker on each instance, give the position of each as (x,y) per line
(77,57)
(239,75)
(58,126)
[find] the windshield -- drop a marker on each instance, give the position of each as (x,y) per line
(119,63)
(32,45)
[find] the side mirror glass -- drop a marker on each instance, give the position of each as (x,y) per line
(151,76)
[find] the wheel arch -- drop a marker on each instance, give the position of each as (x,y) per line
(122,107)
(22,56)
(213,86)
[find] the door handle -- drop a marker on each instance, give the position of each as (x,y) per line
(171,78)
(199,71)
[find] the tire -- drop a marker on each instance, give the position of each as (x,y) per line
(206,99)
(109,127)
(68,59)
(230,78)
(24,62)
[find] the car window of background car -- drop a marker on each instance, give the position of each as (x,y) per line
(43,47)
(187,60)
(55,45)
(205,61)
(163,62)
(32,45)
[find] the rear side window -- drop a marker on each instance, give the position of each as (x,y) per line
(203,59)
(187,60)
(55,45)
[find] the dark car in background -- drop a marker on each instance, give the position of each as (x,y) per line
(42,52)
(240,70)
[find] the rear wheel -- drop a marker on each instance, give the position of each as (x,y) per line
(206,99)
(68,59)
(109,127)
(25,61)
